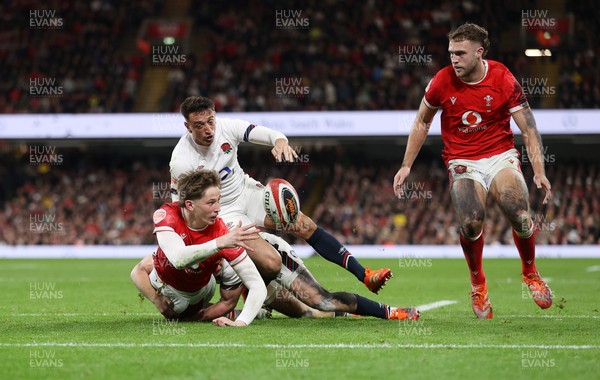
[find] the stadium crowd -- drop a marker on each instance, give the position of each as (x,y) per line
(67,56)
(359,205)
(92,200)
(373,55)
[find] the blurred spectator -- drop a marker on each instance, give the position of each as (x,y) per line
(109,199)
(351,55)
(80,64)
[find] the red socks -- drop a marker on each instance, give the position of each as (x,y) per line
(526,248)
(473,251)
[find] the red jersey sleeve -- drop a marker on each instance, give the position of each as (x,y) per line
(432,96)
(517,99)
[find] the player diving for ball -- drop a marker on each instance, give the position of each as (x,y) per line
(192,241)
(212,143)
(295,292)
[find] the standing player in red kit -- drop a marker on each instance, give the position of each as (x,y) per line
(192,240)
(477,98)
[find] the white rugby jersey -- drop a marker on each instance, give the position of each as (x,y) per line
(220,156)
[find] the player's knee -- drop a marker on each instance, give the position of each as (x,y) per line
(321,301)
(521,221)
(267,261)
(517,211)
(472,224)
(269,268)
(134,272)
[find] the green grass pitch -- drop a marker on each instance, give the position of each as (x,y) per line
(82,319)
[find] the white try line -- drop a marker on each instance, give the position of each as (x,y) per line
(435,305)
(351,346)
(593,268)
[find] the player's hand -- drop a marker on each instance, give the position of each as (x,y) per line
(399,179)
(541,181)
(224,321)
(282,151)
(237,237)
(165,306)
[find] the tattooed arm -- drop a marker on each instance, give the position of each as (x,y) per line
(533,142)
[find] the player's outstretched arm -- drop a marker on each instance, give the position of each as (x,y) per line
(533,142)
(257,292)
(141,280)
(257,134)
(416,138)
(182,256)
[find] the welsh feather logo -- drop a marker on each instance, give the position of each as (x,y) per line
(226,148)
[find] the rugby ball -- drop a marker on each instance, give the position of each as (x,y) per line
(281,202)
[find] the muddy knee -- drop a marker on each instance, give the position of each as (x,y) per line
(472,224)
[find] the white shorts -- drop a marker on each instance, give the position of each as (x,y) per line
(291,264)
(248,207)
(485,169)
(181,300)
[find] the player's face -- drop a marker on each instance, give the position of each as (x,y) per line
(202,127)
(465,55)
(206,209)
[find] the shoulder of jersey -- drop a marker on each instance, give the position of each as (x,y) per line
(164,210)
(499,73)
(170,208)
(444,76)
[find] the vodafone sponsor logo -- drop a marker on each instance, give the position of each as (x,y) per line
(471,119)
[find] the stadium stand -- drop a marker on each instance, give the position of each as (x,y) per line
(110,200)
(349,58)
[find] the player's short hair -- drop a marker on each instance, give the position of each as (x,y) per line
(471,32)
(193,184)
(195,104)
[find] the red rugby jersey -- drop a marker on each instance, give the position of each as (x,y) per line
(476,116)
(169,217)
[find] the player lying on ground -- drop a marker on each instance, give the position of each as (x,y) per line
(192,240)
(477,98)
(295,292)
(212,143)
(201,311)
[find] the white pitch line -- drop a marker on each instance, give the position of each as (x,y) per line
(593,268)
(435,305)
(306,346)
